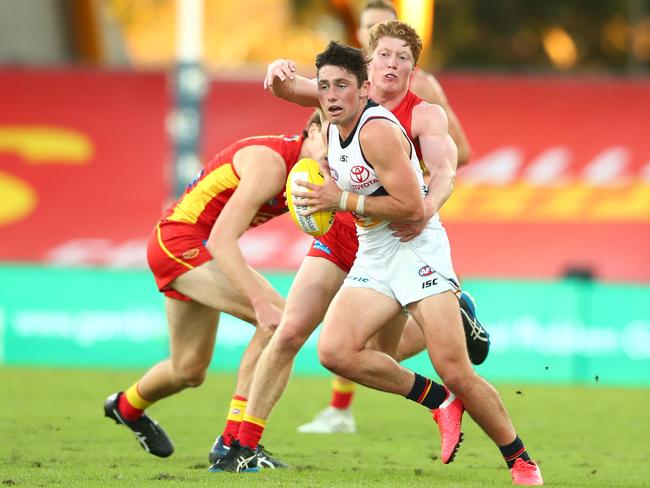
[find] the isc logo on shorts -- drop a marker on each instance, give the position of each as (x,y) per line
(429,283)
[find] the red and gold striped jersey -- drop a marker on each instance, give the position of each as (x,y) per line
(208,192)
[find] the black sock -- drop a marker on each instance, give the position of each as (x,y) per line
(513,451)
(427,392)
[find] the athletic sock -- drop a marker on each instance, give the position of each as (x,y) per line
(342,394)
(131,404)
(427,392)
(513,451)
(251,431)
(235,416)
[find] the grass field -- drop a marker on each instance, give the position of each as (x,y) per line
(52,433)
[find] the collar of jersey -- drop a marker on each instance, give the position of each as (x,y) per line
(371,103)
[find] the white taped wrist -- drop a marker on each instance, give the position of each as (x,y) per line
(343,200)
(361,203)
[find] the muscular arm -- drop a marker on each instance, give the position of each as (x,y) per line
(429,125)
(385,147)
(282,80)
(262,176)
(425,86)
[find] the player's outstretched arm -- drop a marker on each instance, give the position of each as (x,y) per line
(429,125)
(282,80)
(262,174)
(425,86)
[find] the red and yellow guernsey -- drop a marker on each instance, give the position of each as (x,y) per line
(206,195)
(404,113)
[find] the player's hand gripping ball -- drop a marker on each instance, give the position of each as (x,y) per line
(318,223)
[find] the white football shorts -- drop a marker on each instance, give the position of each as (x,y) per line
(405,271)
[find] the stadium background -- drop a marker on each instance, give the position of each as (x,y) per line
(549,224)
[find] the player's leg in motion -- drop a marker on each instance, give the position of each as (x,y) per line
(438,317)
(315,284)
(192,329)
(342,349)
(338,417)
(240,308)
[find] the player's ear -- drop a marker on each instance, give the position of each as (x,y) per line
(365,88)
(314,130)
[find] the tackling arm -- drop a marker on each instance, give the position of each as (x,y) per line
(425,86)
(429,125)
(282,80)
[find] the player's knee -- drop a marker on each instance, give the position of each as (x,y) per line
(456,378)
(194,378)
(333,358)
(191,375)
(289,338)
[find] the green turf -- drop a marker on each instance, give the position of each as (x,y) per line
(52,433)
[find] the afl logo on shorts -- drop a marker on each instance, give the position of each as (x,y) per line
(359,174)
(425,271)
(191,254)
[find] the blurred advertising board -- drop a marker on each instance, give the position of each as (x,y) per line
(559,179)
(82,159)
(568,331)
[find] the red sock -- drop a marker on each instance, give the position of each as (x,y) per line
(235,417)
(230,432)
(251,431)
(128,411)
(342,394)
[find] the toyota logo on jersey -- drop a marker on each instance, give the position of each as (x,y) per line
(359,174)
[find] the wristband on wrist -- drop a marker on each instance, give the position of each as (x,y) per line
(351,204)
(361,204)
(343,200)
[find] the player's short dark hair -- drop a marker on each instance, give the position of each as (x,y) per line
(380,5)
(348,58)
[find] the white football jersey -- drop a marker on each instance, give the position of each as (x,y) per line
(351,170)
